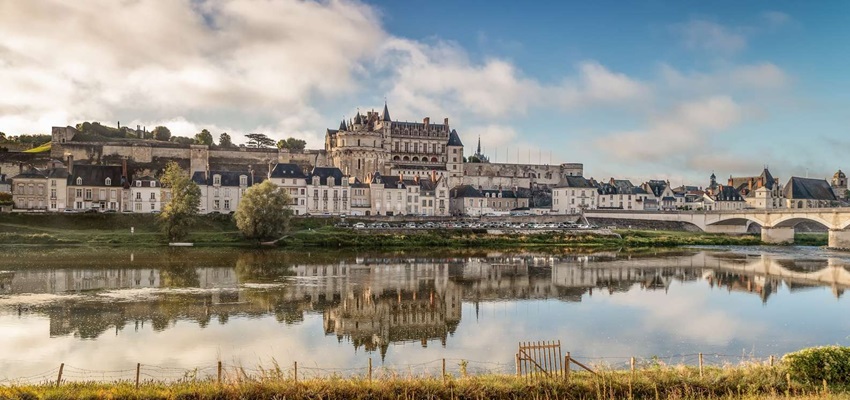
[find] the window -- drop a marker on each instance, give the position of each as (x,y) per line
(138,195)
(216,179)
(79,181)
(88,194)
(153,196)
(53,182)
(227,204)
(79,205)
(138,183)
(79,193)
(108,182)
(215,205)
(53,194)
(153,206)
(243,180)
(153,183)
(302,192)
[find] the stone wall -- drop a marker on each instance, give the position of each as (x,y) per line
(493,175)
(644,224)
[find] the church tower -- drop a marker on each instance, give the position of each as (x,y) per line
(454,165)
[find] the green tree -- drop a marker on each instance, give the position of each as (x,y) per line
(180,211)
(259,140)
(2,137)
(161,133)
(204,137)
(182,140)
(281,144)
(263,212)
(292,144)
(224,140)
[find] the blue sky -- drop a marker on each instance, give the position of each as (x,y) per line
(637,90)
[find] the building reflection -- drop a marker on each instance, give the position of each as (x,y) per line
(375,301)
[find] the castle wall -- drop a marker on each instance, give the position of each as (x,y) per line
(492,175)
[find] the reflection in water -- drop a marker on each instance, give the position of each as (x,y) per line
(377,300)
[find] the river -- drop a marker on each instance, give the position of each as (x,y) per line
(177,310)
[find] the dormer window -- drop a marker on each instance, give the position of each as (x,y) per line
(243,180)
(153,183)
(79,181)
(330,181)
(138,183)
(216,179)
(108,182)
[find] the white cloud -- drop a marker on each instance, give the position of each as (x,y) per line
(442,78)
(676,135)
(191,60)
(763,75)
(775,19)
(710,36)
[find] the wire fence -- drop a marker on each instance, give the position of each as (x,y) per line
(435,369)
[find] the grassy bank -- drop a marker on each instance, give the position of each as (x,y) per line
(115,229)
(751,382)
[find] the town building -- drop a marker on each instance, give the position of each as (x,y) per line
(664,195)
(500,201)
(574,195)
(29,190)
(465,200)
(623,195)
(724,198)
(748,185)
(97,187)
(221,191)
(808,193)
(291,179)
(147,195)
(327,192)
(839,185)
(5,184)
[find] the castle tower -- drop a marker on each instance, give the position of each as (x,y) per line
(454,165)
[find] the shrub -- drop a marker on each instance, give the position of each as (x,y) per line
(815,364)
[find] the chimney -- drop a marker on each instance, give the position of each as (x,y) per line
(433,175)
(426,121)
(400,177)
(119,125)
(70,164)
(446,123)
(750,184)
(416,179)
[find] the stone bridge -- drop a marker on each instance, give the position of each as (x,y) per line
(777,226)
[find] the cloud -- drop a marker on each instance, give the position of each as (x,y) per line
(441,77)
(676,135)
(758,76)
(210,62)
(775,19)
(704,35)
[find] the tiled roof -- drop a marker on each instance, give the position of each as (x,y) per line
(577,182)
(386,115)
(465,191)
(30,174)
(95,175)
(727,193)
(509,194)
(228,178)
(287,170)
(323,173)
(808,189)
(145,181)
(454,139)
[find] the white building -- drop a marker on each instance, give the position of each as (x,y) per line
(290,178)
(146,195)
(222,190)
(327,192)
(574,195)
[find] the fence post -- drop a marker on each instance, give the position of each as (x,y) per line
(370,369)
(59,378)
(771,360)
(700,365)
(138,367)
(516,358)
(444,370)
(632,365)
(295,364)
(567,360)
(219,373)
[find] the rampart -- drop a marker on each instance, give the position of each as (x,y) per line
(493,175)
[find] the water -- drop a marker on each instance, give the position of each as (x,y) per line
(106,310)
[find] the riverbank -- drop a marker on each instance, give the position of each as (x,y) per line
(656,382)
(141,230)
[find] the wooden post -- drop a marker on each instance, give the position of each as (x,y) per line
(444,370)
(632,365)
(219,373)
(700,365)
(59,378)
(370,369)
(567,360)
(516,357)
(771,361)
(138,368)
(295,364)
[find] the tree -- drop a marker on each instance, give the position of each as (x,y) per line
(161,133)
(292,144)
(224,140)
(259,140)
(2,137)
(263,212)
(180,211)
(281,144)
(204,137)
(182,140)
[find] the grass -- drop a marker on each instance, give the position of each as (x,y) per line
(40,149)
(755,381)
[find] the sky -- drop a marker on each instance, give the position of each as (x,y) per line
(634,90)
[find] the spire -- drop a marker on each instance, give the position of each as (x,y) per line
(357,119)
(342,126)
(478,151)
(386,115)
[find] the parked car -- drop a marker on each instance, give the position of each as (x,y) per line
(359,225)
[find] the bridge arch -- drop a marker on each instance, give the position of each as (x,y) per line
(793,221)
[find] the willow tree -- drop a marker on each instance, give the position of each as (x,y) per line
(179,212)
(263,212)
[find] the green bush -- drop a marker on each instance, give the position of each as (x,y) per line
(815,364)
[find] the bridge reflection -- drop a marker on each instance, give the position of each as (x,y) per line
(374,301)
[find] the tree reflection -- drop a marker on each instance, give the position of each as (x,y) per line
(178,271)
